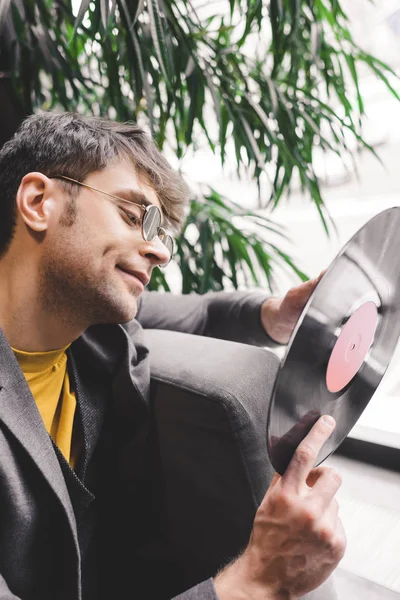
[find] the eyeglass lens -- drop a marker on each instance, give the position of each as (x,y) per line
(151,227)
(151,222)
(168,243)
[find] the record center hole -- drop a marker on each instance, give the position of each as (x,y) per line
(352,346)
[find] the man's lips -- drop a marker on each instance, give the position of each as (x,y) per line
(139,276)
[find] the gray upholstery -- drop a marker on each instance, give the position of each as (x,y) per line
(210,399)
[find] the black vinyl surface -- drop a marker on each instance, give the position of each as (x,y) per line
(367,270)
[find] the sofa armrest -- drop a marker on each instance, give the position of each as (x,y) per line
(210,401)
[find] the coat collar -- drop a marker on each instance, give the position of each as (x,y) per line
(120,351)
(116,350)
(19,413)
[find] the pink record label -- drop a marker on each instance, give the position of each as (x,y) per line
(351,347)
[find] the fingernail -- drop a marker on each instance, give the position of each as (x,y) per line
(328,420)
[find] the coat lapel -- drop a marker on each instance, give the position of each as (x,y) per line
(20,415)
(117,351)
(120,351)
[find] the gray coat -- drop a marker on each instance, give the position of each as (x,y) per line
(51,546)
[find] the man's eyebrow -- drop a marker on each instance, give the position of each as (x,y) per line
(135,196)
(132,196)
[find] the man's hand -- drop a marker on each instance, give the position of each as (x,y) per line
(297,538)
(280,315)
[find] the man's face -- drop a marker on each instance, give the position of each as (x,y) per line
(81,265)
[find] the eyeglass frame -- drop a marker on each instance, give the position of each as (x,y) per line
(144,207)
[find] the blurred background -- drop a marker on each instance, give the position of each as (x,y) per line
(284,117)
(354,191)
(354,185)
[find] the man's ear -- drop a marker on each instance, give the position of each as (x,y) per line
(35,201)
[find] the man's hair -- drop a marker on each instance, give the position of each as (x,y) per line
(75,146)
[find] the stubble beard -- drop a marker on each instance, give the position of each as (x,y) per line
(78,298)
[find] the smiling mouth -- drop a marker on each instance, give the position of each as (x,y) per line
(132,278)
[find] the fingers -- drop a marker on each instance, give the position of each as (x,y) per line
(306,453)
(285,445)
(317,279)
(313,282)
(340,540)
(297,296)
(324,482)
(331,531)
(275,480)
(314,475)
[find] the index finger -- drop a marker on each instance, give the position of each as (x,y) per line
(304,458)
(313,282)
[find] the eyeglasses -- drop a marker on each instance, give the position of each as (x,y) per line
(150,220)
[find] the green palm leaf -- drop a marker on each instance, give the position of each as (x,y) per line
(194,81)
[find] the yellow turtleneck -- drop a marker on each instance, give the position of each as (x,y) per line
(47,377)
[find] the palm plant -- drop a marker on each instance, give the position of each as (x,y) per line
(265,81)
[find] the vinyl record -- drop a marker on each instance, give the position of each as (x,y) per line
(342,343)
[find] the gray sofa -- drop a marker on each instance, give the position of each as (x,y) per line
(210,401)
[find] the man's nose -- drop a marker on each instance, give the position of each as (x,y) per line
(156,251)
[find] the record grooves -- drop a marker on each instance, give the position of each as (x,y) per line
(342,343)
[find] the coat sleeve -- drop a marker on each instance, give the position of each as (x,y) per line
(202,591)
(234,316)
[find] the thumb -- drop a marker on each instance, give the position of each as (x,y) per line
(275,480)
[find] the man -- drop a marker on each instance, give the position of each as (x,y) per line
(84,218)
